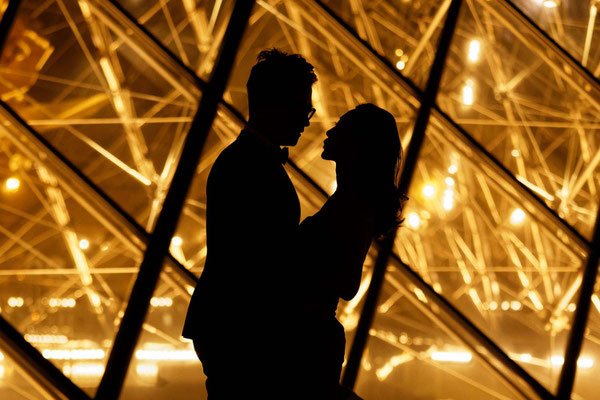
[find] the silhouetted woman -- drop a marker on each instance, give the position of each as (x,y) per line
(366,148)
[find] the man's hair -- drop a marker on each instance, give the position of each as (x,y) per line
(275,74)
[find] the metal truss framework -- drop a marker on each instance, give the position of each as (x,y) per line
(358,42)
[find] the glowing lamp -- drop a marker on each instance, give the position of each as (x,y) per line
(12,184)
(413,220)
(84,244)
(517,217)
(428,191)
(474,48)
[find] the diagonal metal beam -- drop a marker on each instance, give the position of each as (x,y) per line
(40,372)
(381,65)
(460,327)
(590,273)
(386,245)
(146,281)
(546,48)
(79,186)
(491,166)
(147,47)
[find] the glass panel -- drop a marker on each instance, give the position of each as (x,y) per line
(530,111)
(346,77)
(14,385)
(573,24)
(164,365)
(404,32)
(117,117)
(189,244)
(586,379)
(479,246)
(191,29)
(410,356)
(65,277)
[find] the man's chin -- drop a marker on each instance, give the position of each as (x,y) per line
(292,141)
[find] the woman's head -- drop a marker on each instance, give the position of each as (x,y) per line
(365,138)
(366,148)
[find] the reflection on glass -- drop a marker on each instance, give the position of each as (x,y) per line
(530,111)
(191,29)
(345,77)
(573,24)
(65,277)
(14,385)
(588,364)
(94,98)
(404,32)
(164,365)
(409,356)
(478,247)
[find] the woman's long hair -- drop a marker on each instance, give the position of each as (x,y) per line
(380,165)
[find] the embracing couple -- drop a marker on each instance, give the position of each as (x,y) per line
(262,317)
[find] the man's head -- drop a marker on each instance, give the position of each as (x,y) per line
(279,96)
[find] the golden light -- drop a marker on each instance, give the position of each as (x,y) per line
(449,181)
(73,354)
(428,191)
(515,153)
(161,302)
(525,357)
(385,370)
(557,360)
(1,371)
(596,302)
(413,220)
(467,93)
(550,3)
(166,355)
(452,356)
(452,169)
(12,184)
(493,305)
(176,241)
(572,307)
(15,302)
(84,244)
(54,339)
(505,305)
(536,301)
(87,369)
(474,48)
(400,65)
(448,201)
(147,369)
(515,305)
(585,362)
(517,216)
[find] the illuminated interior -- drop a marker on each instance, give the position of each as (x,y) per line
(98,97)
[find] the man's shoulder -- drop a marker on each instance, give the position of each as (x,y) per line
(234,155)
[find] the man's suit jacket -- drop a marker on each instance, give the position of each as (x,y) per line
(252,217)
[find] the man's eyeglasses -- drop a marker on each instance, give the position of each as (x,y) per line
(311,113)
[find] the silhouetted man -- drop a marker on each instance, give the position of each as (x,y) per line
(239,316)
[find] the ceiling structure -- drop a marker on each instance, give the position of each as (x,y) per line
(482,289)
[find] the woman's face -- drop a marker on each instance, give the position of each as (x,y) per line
(342,145)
